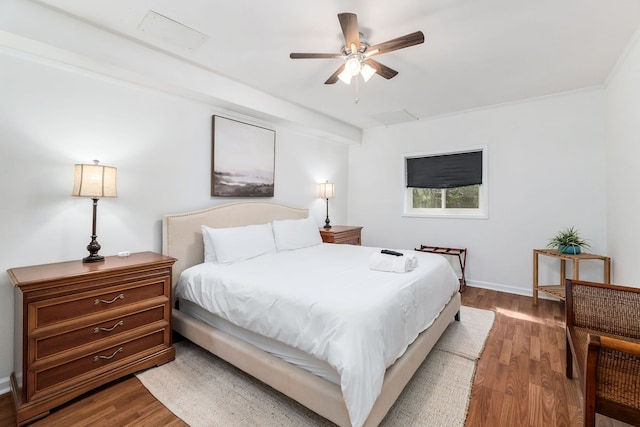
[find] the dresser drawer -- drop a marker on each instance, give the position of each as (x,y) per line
(84,367)
(113,326)
(55,310)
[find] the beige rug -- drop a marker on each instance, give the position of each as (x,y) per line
(203,390)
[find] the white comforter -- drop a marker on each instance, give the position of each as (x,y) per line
(325,301)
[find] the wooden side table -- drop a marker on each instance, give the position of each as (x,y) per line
(342,234)
(461,253)
(558,291)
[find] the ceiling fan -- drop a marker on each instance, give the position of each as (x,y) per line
(357,54)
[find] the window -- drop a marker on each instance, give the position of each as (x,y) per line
(449,184)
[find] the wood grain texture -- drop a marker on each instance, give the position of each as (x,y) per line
(121,403)
(519,380)
(63,307)
(342,234)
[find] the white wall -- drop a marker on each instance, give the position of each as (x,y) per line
(623,154)
(546,172)
(547,159)
(31,26)
(53,116)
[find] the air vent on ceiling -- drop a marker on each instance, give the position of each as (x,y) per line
(160,27)
(394,117)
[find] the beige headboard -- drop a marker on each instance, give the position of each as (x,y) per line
(182,234)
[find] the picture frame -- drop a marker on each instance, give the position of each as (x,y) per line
(242,159)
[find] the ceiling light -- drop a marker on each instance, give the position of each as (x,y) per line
(356,65)
(353,65)
(367,72)
(345,76)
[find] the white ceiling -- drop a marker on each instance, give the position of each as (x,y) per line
(476,53)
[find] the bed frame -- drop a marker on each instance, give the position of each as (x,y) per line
(182,239)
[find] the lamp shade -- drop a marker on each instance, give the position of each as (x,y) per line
(95,181)
(326,190)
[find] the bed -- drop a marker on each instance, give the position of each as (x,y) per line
(320,392)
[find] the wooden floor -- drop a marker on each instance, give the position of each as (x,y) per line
(519,379)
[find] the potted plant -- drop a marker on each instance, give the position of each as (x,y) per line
(568,241)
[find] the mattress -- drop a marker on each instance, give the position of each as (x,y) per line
(283,351)
(324,301)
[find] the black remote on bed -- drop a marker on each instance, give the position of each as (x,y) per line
(390,252)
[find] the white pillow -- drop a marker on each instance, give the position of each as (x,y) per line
(209,251)
(296,233)
(240,243)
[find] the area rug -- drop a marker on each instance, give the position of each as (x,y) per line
(205,391)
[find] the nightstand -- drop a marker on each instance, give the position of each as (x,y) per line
(343,234)
(81,325)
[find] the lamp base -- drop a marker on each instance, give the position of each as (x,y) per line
(93,258)
(93,247)
(327,223)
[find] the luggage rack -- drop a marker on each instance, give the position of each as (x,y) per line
(461,253)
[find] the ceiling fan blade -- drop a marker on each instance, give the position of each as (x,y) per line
(395,44)
(314,55)
(334,77)
(383,70)
(349,24)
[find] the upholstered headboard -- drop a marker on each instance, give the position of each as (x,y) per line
(182,234)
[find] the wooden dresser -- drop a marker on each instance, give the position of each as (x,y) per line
(344,234)
(80,325)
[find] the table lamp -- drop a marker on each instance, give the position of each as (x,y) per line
(94,181)
(327,191)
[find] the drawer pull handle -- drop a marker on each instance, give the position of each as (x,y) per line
(98,301)
(96,358)
(96,330)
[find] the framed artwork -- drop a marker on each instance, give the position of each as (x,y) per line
(243,159)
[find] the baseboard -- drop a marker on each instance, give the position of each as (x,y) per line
(5,385)
(500,287)
(508,289)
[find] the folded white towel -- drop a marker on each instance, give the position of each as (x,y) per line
(397,264)
(413,260)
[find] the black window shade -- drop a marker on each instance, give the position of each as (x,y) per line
(445,171)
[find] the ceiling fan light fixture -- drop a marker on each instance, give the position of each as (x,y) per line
(353,66)
(367,72)
(345,76)
(357,52)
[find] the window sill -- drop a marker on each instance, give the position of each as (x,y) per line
(451,215)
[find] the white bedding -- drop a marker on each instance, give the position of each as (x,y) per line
(325,301)
(296,357)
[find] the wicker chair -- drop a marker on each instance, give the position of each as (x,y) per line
(603,334)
